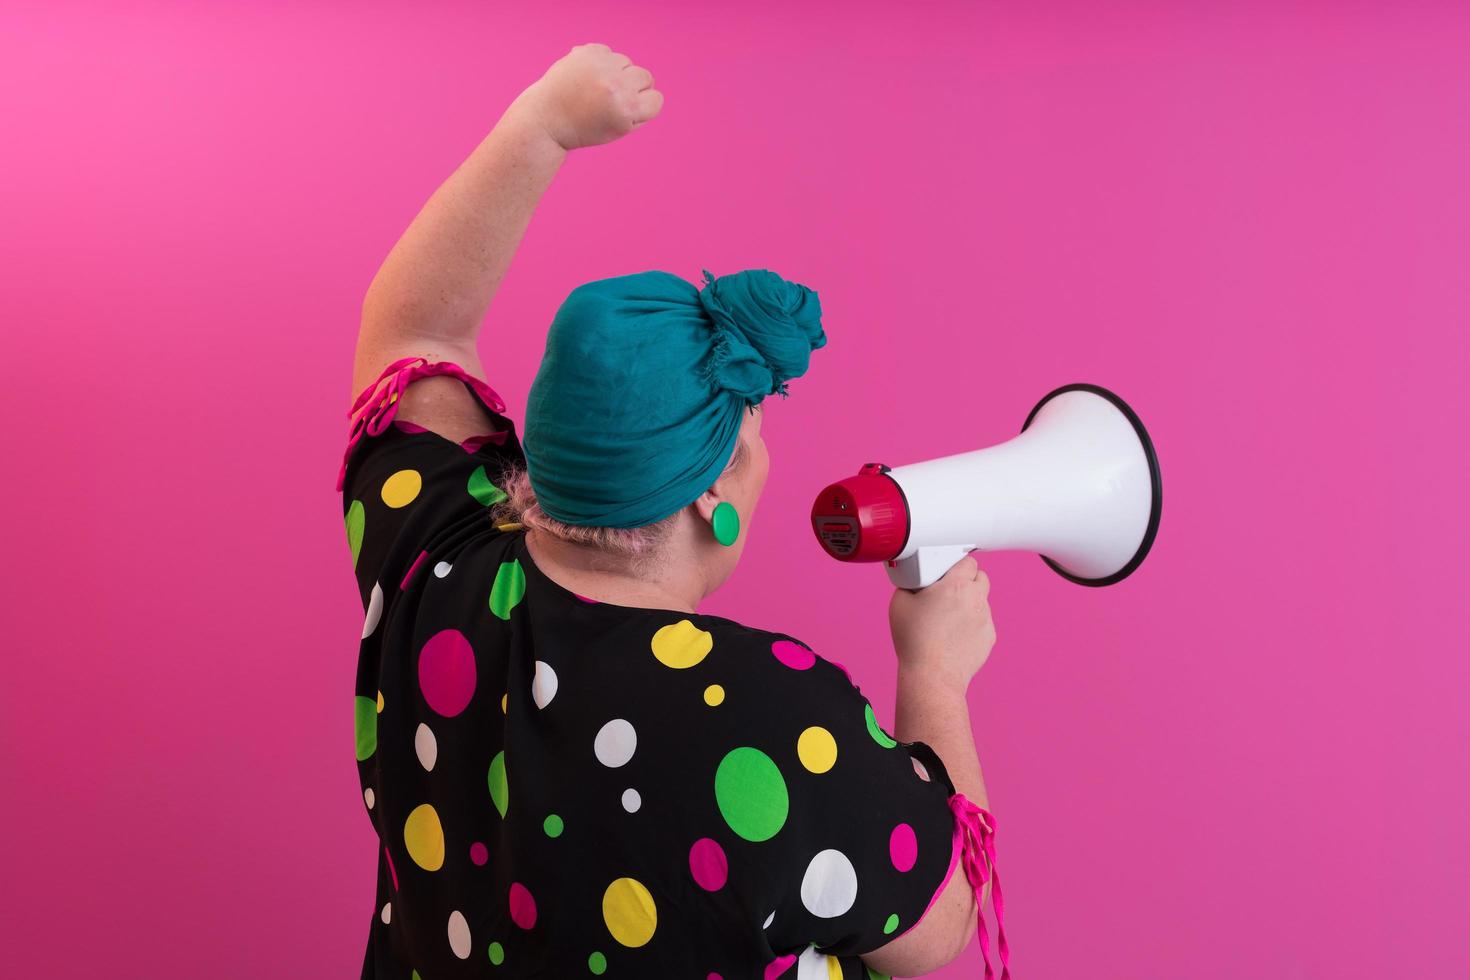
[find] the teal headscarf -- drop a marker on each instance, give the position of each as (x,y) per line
(637,405)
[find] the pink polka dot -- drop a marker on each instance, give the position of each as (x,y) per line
(447,672)
(714,976)
(478,853)
(903,847)
(793,655)
(585,599)
(708,864)
(779,966)
(522,906)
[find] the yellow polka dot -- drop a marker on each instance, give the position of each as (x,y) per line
(400,489)
(380,702)
(817,749)
(628,910)
(681,644)
(423,835)
(834,968)
(503,699)
(512,526)
(713,695)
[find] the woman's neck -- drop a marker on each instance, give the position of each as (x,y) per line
(578,571)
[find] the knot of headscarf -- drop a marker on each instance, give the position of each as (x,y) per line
(765,331)
(637,404)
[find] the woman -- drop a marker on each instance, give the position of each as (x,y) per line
(570,769)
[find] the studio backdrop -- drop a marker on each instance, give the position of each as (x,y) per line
(1247,219)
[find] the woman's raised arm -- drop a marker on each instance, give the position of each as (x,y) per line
(436,284)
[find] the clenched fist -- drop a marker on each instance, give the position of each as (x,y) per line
(945,629)
(592,95)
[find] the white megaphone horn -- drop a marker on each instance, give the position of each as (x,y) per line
(1080,486)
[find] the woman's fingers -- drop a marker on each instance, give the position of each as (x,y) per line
(642,77)
(647,105)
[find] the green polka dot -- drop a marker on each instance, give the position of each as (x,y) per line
(890,925)
(553,826)
(751,794)
(497,953)
(879,735)
(499,788)
(365,726)
(874,974)
(483,490)
(356,519)
(509,587)
(416,975)
(597,963)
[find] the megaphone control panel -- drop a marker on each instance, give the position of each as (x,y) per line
(862,518)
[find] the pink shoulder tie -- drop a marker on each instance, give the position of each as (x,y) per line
(378,405)
(975,833)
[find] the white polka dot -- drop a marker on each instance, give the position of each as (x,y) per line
(459,935)
(631,800)
(387,915)
(769,919)
(829,886)
(615,743)
(919,768)
(427,747)
(374,611)
(367,797)
(442,569)
(543,685)
(812,965)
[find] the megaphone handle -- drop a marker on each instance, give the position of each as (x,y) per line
(926,565)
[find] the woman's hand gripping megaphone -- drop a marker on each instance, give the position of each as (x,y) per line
(945,629)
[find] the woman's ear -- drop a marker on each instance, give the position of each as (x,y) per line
(706,502)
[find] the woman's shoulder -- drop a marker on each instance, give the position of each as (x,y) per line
(736,632)
(785,657)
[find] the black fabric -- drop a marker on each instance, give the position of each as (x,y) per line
(465,622)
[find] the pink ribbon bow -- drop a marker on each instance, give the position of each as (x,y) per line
(975,828)
(378,405)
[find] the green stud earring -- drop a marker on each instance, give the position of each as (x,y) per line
(726,522)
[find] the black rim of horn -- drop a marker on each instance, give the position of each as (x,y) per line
(1155,508)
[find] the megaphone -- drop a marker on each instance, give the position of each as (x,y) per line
(1080,486)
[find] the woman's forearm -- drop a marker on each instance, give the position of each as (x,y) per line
(932,710)
(439,279)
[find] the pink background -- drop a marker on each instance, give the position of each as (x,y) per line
(1248,219)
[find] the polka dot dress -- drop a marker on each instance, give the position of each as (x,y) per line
(562,787)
